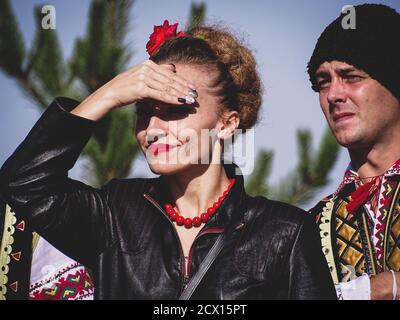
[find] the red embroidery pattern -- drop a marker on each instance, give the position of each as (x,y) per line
(379,208)
(367,192)
(348,177)
(383,209)
(70,287)
(394,170)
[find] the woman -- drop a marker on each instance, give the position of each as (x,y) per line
(193,231)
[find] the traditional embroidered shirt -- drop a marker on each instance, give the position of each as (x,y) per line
(54,276)
(361,237)
(36,269)
(377,205)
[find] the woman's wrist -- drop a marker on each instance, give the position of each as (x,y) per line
(94,107)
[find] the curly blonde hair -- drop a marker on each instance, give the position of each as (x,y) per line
(237,77)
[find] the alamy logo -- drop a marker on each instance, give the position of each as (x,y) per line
(49,20)
(349,20)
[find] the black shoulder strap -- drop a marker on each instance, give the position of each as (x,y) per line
(204,266)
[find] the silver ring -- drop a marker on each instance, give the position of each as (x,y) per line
(189,99)
(193,93)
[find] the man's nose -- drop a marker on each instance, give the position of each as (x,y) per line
(337,92)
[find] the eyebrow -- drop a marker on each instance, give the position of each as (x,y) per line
(322,74)
(340,71)
(346,71)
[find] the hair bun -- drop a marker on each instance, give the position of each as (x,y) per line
(241,65)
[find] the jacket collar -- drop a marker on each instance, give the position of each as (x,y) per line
(231,211)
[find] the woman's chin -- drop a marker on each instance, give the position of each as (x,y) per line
(166,168)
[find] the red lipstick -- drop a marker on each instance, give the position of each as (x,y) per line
(157,148)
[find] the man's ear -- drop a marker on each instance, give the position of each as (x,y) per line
(229,123)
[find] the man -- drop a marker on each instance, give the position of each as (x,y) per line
(357,75)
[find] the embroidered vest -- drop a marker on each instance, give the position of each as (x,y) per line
(347,238)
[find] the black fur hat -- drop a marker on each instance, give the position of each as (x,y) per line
(373,46)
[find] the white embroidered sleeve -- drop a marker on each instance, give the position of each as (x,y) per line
(357,289)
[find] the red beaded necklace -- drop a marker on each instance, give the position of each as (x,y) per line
(204,217)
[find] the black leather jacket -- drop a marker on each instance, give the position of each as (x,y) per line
(121,231)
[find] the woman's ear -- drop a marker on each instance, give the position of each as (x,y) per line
(229,123)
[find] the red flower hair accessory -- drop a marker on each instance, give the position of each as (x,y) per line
(160,35)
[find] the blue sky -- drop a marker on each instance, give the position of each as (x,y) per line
(281,33)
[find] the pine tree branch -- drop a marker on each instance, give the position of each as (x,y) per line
(325,159)
(46,63)
(197,15)
(40,79)
(12,48)
(101,54)
(312,171)
(94,153)
(115,159)
(257,182)
(32,92)
(118,15)
(304,144)
(122,147)
(97,57)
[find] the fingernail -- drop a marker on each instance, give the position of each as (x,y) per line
(192,86)
(182,100)
(193,93)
